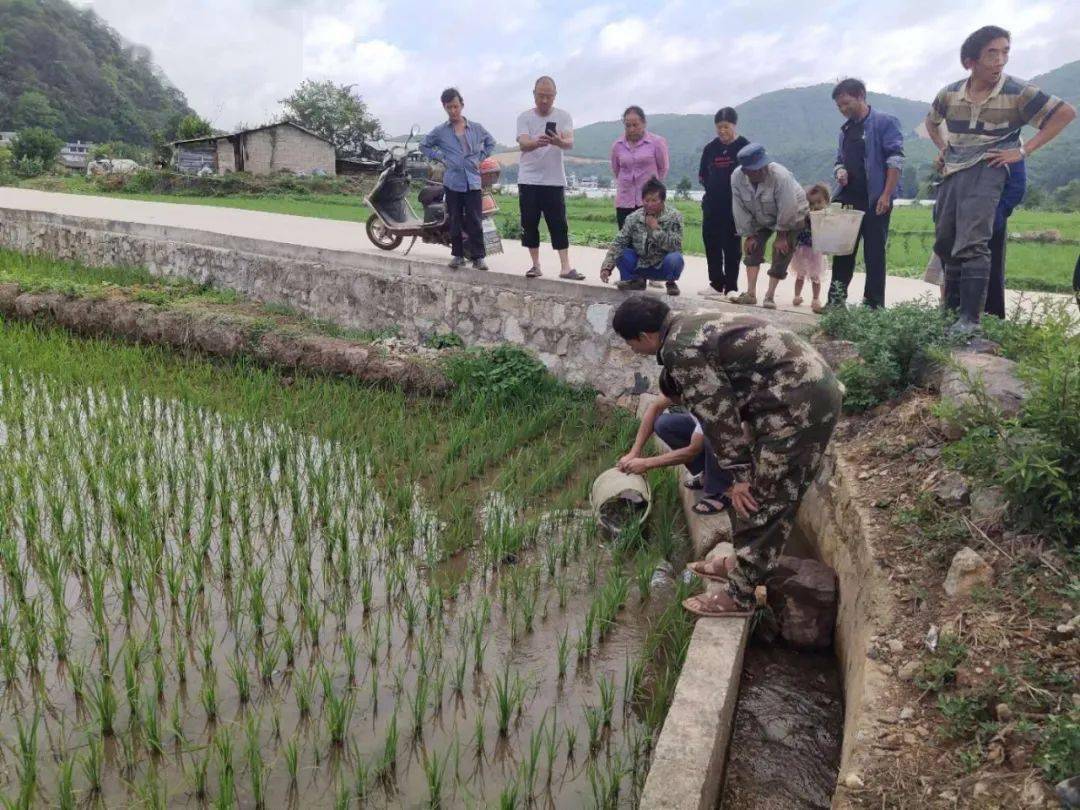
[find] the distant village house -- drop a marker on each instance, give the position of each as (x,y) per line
(283,147)
(76,155)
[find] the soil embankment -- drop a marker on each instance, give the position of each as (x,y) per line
(220,334)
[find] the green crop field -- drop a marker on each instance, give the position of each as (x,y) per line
(223,587)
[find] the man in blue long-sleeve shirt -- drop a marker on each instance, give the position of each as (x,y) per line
(1011,195)
(461,145)
(869,159)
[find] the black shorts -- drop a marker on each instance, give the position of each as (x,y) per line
(549,201)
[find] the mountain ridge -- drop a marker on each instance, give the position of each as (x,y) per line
(64,69)
(800,125)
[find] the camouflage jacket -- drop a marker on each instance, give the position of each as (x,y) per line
(736,368)
(650,245)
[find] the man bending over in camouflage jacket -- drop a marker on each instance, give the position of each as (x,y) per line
(732,369)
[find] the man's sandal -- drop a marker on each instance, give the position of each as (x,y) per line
(707,569)
(716,606)
(694,482)
(708,506)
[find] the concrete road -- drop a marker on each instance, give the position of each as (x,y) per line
(349,236)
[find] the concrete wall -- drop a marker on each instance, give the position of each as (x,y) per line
(567,326)
(282,148)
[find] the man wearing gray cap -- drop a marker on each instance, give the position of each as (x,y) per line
(766,198)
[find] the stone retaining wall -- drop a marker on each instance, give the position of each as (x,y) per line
(568,326)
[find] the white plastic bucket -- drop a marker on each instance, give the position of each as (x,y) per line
(833,231)
(610,484)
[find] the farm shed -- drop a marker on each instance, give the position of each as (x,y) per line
(273,148)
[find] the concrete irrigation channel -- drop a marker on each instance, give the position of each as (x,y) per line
(568,327)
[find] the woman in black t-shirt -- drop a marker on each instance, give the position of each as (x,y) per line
(722,247)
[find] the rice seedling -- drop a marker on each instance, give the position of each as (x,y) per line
(351,651)
(241,679)
(562,652)
(267,657)
(594,721)
(508,698)
(530,765)
(104,706)
(208,695)
(390,745)
(91,763)
(291,753)
(361,779)
(435,775)
(151,727)
(303,689)
(338,712)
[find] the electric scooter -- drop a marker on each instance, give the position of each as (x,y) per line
(393,219)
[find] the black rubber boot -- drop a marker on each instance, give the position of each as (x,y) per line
(951,301)
(972,300)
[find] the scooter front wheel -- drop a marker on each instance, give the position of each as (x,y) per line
(380,235)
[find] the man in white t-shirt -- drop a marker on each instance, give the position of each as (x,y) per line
(544,133)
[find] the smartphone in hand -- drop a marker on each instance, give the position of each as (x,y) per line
(549,129)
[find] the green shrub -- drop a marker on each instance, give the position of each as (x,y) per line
(503,373)
(5,160)
(1035,456)
(143,181)
(37,145)
(895,345)
(444,340)
(27,167)
(1060,749)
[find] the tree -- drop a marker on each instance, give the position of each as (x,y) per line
(1067,197)
(334,111)
(33,109)
(36,144)
(192,126)
(682,190)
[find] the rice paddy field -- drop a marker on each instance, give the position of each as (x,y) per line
(223,587)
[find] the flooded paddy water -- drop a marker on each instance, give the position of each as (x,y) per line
(202,605)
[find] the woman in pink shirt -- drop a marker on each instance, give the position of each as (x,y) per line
(636,157)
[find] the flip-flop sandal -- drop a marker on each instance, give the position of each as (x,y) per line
(694,482)
(573,275)
(693,605)
(699,568)
(707,506)
(533,272)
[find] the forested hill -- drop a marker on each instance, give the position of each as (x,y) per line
(799,126)
(64,69)
(1059,163)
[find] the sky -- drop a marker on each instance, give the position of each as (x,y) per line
(235,59)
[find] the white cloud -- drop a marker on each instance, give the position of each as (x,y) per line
(622,37)
(235,58)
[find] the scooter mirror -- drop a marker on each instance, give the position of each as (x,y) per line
(414,131)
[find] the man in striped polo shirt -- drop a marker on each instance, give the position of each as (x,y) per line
(983,115)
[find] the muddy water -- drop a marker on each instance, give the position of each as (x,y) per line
(789,724)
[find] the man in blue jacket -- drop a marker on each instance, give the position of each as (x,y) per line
(461,145)
(869,160)
(1011,195)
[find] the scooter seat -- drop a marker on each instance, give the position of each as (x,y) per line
(435,212)
(431,195)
